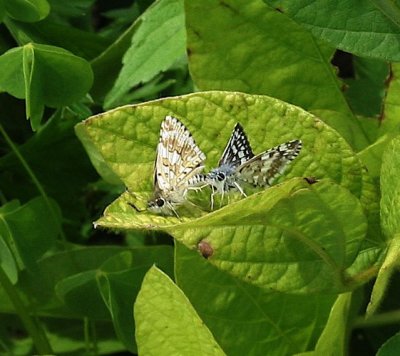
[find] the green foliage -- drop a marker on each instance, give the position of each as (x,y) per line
(391,347)
(158,43)
(370,29)
(85,268)
(160,301)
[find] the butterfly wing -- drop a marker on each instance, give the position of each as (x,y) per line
(238,149)
(178,158)
(262,169)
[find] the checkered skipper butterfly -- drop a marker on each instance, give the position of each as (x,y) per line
(238,164)
(178,160)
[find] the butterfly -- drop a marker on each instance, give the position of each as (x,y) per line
(178,159)
(239,164)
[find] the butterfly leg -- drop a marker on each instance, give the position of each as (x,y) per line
(196,189)
(174,211)
(239,188)
(212,197)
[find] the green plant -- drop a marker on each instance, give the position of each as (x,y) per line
(307,266)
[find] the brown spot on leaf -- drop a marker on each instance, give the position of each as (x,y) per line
(205,249)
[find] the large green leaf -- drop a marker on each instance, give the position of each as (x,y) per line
(166,321)
(390,221)
(249,47)
(44,75)
(156,45)
(244,319)
(126,138)
(366,28)
(285,241)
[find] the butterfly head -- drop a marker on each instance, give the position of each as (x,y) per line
(219,178)
(160,205)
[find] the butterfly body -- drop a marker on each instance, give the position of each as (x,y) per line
(178,160)
(239,165)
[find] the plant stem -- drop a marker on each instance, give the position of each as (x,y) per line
(31,175)
(392,317)
(33,328)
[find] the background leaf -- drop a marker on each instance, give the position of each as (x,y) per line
(119,282)
(7,262)
(56,157)
(391,347)
(156,45)
(157,328)
(390,222)
(333,339)
(227,305)
(32,229)
(390,188)
(364,28)
(265,53)
(28,10)
(52,76)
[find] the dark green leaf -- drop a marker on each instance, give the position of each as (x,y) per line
(79,292)
(44,75)
(365,28)
(31,229)
(27,10)
(7,262)
(391,347)
(81,43)
(119,282)
(366,92)
(40,286)
(59,162)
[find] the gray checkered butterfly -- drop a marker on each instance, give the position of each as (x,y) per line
(178,160)
(238,164)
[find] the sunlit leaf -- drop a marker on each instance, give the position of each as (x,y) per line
(159,330)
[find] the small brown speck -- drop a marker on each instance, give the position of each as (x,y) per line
(311,180)
(205,249)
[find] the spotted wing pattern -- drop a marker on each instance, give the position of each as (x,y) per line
(238,149)
(264,168)
(178,159)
